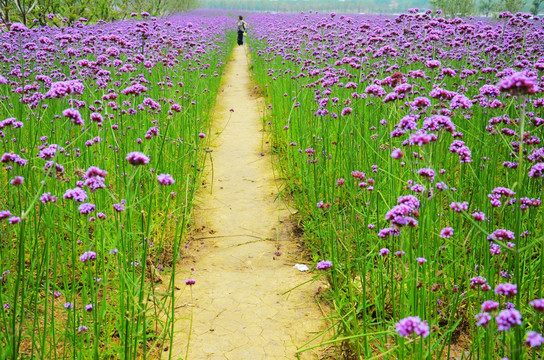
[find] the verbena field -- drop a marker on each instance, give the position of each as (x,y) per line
(410,146)
(103,133)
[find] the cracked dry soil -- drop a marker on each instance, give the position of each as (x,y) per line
(239,309)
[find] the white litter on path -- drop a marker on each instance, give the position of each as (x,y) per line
(301,267)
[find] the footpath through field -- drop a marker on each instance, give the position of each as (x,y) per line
(238,310)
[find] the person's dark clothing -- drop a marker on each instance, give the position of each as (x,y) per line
(241,29)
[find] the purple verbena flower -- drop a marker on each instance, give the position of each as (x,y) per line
(534,339)
(518,83)
(537,304)
(74,116)
(483,319)
(136,158)
(446,233)
(165,179)
(87,255)
(86,208)
(324,264)
(508,318)
(411,325)
(421,260)
(506,289)
(489,305)
(78,194)
(16,181)
(47,197)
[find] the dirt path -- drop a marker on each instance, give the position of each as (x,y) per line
(238,308)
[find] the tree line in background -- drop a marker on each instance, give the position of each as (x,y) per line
(60,12)
(461,8)
(450,8)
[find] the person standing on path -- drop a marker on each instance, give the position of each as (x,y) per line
(241,30)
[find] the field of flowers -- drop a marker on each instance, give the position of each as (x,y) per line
(412,148)
(103,137)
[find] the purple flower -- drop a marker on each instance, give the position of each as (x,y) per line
(478,280)
(63,88)
(537,304)
(96,117)
(346,111)
(411,325)
(489,305)
(136,89)
(18,180)
(68,305)
(96,182)
(384,252)
(78,194)
(95,171)
(18,27)
(136,158)
(458,147)
(86,208)
(119,207)
(432,64)
(14,220)
(421,260)
(190,282)
(501,234)
(4,214)
(82,328)
(518,83)
(201,135)
(89,307)
(87,255)
(490,90)
(6,306)
(458,206)
(324,264)
(446,233)
(506,289)
(74,116)
(420,102)
(508,318)
(483,319)
(478,216)
(9,157)
(375,90)
(494,249)
(390,231)
(165,179)
(47,197)
(534,339)
(537,170)
(396,153)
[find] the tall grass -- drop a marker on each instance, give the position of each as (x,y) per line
(337,116)
(80,281)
